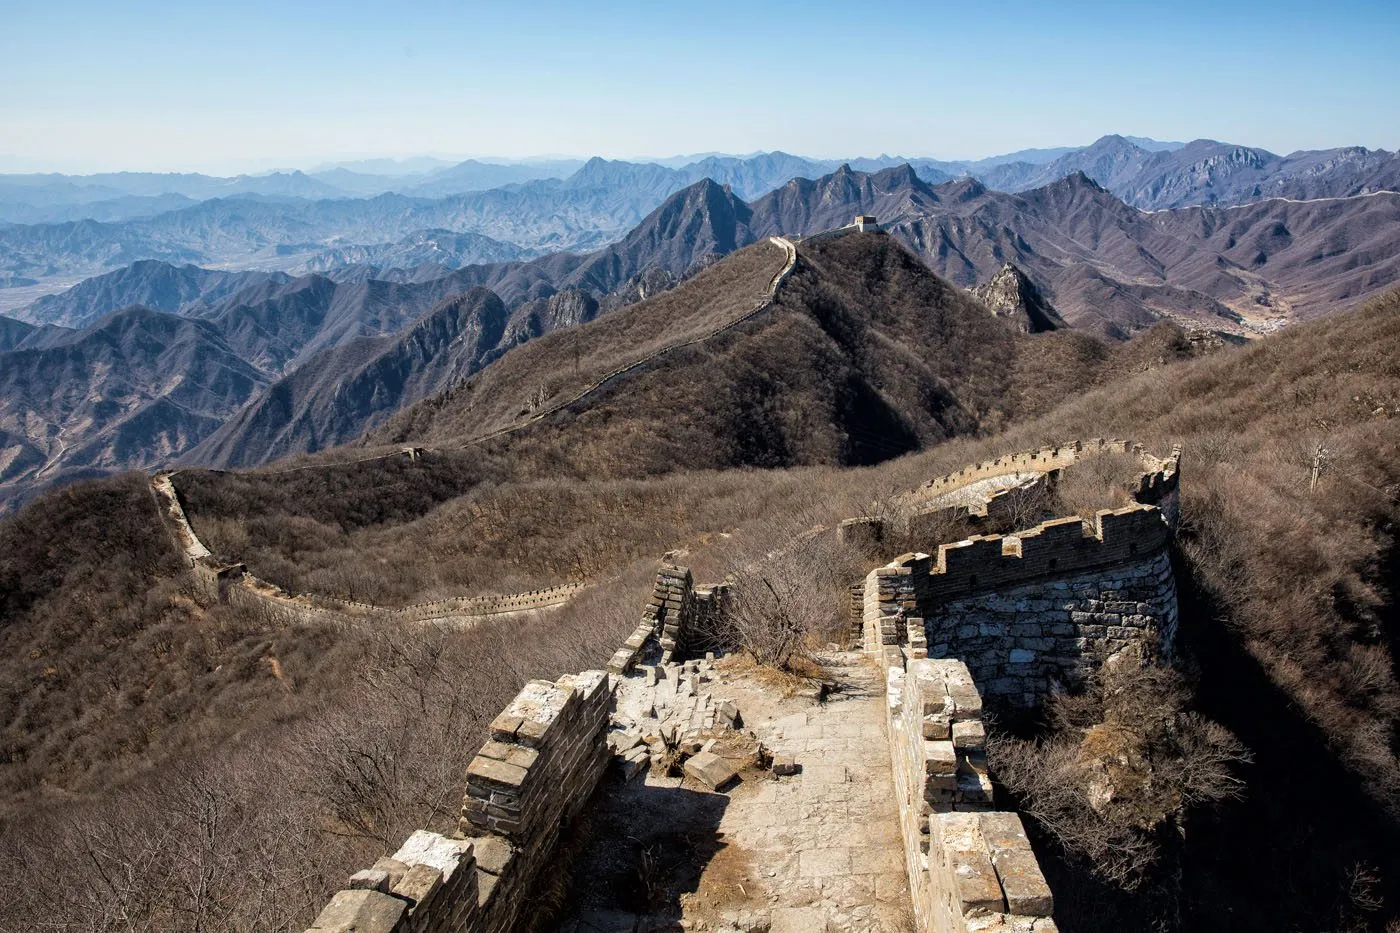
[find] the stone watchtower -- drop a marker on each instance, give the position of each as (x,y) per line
(866,223)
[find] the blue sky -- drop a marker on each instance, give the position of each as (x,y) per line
(107,84)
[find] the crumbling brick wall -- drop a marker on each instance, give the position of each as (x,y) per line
(970,867)
(546,755)
(678,614)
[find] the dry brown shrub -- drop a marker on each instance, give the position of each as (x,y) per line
(1107,481)
(1124,760)
(785,601)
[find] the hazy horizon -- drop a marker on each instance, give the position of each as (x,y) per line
(10,164)
(148,86)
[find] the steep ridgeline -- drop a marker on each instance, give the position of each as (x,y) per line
(134,391)
(811,379)
(337,353)
(149,283)
(1108,267)
(343,392)
(139,389)
(12,332)
(1208,172)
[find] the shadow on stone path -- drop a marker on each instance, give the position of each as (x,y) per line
(817,851)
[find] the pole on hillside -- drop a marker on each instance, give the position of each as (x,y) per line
(1318,465)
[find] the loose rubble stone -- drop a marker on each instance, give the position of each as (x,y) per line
(710,769)
(785,765)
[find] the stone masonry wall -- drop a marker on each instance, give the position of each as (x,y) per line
(1042,460)
(675,614)
(1018,642)
(231,583)
(1028,610)
(547,752)
(929,505)
(970,867)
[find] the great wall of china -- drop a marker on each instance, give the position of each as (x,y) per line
(232,583)
(770,294)
(997,618)
(855,834)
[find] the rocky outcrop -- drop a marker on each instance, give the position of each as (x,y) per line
(1013,297)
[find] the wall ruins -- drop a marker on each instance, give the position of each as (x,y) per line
(970,867)
(545,757)
(1014,615)
(1032,610)
(233,584)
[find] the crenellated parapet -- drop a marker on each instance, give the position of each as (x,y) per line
(1061,547)
(1041,460)
(233,584)
(991,491)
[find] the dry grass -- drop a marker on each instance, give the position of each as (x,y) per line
(112,669)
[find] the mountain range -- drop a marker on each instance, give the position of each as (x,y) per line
(53,226)
(322,359)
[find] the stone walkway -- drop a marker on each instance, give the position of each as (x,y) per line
(978,492)
(816,851)
(827,839)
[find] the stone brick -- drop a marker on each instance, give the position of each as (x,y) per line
(710,769)
(957,844)
(493,854)
(1027,893)
(419,885)
(969,735)
(504,726)
(493,771)
(785,765)
(370,879)
(938,726)
(940,757)
(360,912)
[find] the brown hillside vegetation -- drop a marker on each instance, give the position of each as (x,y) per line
(324,757)
(172,765)
(558,365)
(864,356)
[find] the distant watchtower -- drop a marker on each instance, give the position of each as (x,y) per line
(866,223)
